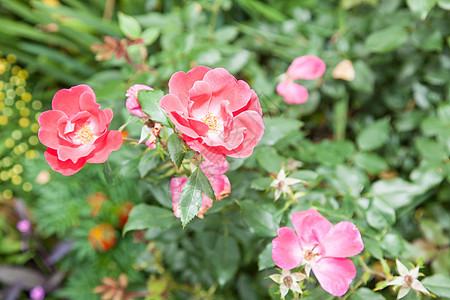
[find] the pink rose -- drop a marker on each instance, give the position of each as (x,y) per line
(76,131)
(217,114)
(132,104)
(219,182)
(303,67)
(320,247)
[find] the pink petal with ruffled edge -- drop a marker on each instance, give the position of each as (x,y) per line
(176,185)
(286,252)
(67,100)
(132,102)
(103,148)
(343,240)
(48,131)
(310,226)
(306,67)
(180,83)
(64,167)
(292,92)
(334,274)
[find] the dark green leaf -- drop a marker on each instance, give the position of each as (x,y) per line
(226,259)
(373,247)
(387,39)
(260,221)
(269,159)
(191,195)
(107,173)
(175,150)
(265,260)
(277,128)
(145,216)
(365,293)
(428,39)
(380,214)
(149,101)
(261,184)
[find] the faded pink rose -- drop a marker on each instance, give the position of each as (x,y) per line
(319,246)
(304,67)
(219,182)
(216,114)
(132,104)
(76,130)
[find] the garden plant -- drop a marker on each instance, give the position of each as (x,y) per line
(224,149)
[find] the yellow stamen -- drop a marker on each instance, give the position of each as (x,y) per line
(211,121)
(85,134)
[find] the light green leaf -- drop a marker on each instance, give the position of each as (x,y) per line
(438,284)
(370,162)
(387,39)
(261,184)
(144,216)
(421,7)
(265,260)
(269,159)
(431,150)
(397,192)
(150,35)
(175,150)
(149,101)
(129,26)
(373,136)
(365,293)
(380,214)
(277,128)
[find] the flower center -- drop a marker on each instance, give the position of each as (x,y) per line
(409,280)
(287,281)
(211,121)
(85,134)
(309,255)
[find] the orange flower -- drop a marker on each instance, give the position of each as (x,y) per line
(102,237)
(124,211)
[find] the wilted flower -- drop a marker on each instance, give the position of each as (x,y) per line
(321,247)
(407,280)
(151,130)
(282,184)
(102,237)
(124,212)
(344,70)
(304,67)
(288,281)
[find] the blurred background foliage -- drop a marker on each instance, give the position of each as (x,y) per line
(374,150)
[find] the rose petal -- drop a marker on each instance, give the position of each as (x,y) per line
(334,274)
(292,93)
(176,185)
(172,103)
(103,147)
(64,167)
(286,252)
(67,100)
(180,83)
(74,152)
(343,240)
(306,67)
(310,225)
(199,99)
(48,133)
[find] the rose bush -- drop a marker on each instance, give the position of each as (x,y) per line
(217,115)
(76,131)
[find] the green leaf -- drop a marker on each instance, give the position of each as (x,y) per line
(444,4)
(421,7)
(149,101)
(431,150)
(277,128)
(191,195)
(350,181)
(269,159)
(393,244)
(129,26)
(265,260)
(175,150)
(226,259)
(387,39)
(397,192)
(144,216)
(370,162)
(428,39)
(434,232)
(260,221)
(364,78)
(261,184)
(107,173)
(373,136)
(380,214)
(373,247)
(150,35)
(365,293)
(438,284)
